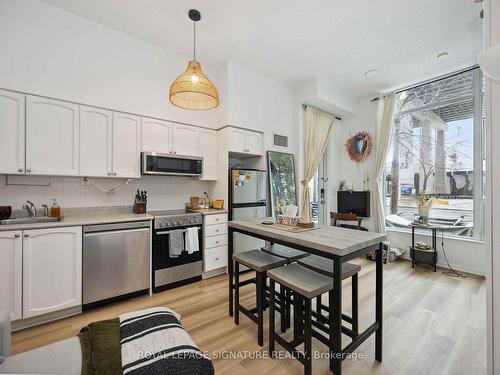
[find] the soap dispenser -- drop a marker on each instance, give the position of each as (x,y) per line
(55,210)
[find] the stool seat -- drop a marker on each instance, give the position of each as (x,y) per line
(325,266)
(258,260)
(291,255)
(301,280)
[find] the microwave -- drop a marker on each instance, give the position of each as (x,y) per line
(154,163)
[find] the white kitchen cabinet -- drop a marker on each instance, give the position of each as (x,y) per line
(126,145)
(156,136)
(96,131)
(208,150)
(11,273)
(52,270)
(52,137)
(186,140)
(237,140)
(254,143)
(245,142)
(215,242)
(12,131)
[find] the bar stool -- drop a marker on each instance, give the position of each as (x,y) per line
(260,262)
(325,267)
(306,285)
(291,255)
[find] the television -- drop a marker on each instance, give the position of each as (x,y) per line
(354,202)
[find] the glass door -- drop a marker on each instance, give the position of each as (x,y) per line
(318,191)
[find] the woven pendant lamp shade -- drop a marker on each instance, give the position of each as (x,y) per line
(193,90)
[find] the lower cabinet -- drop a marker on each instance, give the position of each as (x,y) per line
(52,270)
(214,242)
(11,271)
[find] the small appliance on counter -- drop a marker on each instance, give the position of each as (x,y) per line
(5,212)
(177,248)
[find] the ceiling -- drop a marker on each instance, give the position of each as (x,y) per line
(296,40)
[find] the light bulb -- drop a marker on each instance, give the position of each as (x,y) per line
(195,78)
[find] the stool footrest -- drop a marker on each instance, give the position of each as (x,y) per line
(290,347)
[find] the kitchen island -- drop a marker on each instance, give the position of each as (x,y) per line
(338,244)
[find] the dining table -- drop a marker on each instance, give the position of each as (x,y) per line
(331,242)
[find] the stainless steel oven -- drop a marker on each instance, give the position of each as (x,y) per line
(171,271)
(169,164)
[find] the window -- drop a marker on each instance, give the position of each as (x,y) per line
(436,148)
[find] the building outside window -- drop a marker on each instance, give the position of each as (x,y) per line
(437,149)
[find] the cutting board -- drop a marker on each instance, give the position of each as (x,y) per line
(288,228)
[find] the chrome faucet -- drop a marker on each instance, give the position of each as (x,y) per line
(30,207)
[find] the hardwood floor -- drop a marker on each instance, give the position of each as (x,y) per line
(433,324)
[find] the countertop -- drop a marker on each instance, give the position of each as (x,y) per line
(208,211)
(83,218)
(334,240)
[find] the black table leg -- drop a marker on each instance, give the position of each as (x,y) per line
(336,319)
(379,292)
(230,269)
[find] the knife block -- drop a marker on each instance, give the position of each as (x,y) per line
(139,207)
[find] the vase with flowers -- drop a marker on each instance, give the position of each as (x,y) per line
(424,203)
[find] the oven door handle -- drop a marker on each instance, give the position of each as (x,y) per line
(170,231)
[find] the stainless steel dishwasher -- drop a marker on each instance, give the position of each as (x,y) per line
(116,262)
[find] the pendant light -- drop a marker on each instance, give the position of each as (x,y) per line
(192,89)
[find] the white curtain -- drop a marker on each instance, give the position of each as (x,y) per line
(385,115)
(317,129)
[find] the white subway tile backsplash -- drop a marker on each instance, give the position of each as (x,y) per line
(164,192)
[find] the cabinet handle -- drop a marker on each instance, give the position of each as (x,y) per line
(26,235)
(217,230)
(110,174)
(20,170)
(114,173)
(216,258)
(175,152)
(216,219)
(17,235)
(28,170)
(216,241)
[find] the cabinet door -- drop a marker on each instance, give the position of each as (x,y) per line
(254,143)
(126,145)
(11,273)
(95,142)
(156,136)
(237,142)
(186,140)
(52,132)
(208,149)
(12,128)
(52,270)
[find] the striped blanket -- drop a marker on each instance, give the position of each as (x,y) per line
(153,341)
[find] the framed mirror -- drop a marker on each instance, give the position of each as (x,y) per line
(282,186)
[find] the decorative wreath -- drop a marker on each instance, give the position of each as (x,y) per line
(359,146)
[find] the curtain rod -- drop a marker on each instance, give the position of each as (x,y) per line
(336,117)
(429,81)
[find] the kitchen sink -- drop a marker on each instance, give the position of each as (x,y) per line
(30,220)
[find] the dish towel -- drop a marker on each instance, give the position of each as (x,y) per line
(175,243)
(192,243)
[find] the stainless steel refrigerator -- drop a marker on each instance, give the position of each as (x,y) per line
(247,200)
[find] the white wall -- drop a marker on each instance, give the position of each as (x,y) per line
(51,52)
(71,192)
(343,168)
(258,102)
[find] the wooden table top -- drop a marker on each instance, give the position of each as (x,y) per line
(334,240)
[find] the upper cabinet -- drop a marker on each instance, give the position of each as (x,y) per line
(186,140)
(126,145)
(208,150)
(12,107)
(245,142)
(156,136)
(96,130)
(52,137)
(166,137)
